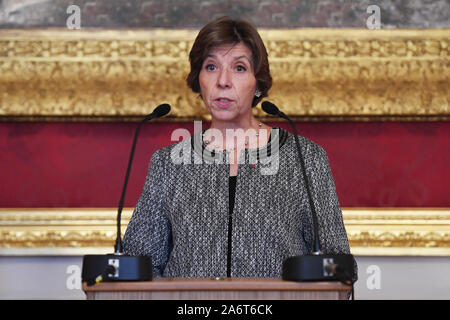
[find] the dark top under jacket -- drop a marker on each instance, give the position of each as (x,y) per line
(182,217)
(232,193)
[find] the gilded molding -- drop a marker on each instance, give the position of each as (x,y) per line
(319,74)
(371,231)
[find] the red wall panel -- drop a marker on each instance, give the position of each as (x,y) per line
(375,164)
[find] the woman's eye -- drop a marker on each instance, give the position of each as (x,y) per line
(240,68)
(210,67)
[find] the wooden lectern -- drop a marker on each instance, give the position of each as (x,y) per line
(218,289)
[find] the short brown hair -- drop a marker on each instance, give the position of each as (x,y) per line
(225,31)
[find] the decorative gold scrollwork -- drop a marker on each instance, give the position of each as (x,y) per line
(370,231)
(318,74)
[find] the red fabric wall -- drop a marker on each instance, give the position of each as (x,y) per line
(375,164)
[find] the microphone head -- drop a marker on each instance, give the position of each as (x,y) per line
(270,108)
(161,110)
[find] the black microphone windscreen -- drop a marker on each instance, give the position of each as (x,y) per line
(161,110)
(270,108)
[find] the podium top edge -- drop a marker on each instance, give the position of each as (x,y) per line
(211,284)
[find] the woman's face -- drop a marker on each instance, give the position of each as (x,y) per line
(227,82)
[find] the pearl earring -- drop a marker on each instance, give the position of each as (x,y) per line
(257,93)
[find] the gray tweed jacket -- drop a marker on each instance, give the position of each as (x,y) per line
(182,216)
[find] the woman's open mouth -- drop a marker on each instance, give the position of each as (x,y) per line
(223,102)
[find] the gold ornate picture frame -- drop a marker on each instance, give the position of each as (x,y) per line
(319,74)
(371,232)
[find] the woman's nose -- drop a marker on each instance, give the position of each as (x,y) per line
(224,79)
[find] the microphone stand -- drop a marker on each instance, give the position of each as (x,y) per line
(316,266)
(118,266)
(118,248)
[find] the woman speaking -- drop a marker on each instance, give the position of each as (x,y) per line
(220,214)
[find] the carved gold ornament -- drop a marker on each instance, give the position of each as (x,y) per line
(331,74)
(372,232)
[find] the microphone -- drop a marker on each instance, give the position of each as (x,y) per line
(272,109)
(317,266)
(159,111)
(117,266)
